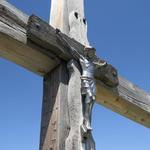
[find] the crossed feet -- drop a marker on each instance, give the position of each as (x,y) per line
(86,129)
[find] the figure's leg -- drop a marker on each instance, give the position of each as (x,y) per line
(91,108)
(88,111)
(86,126)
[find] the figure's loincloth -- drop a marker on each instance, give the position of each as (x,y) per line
(88,88)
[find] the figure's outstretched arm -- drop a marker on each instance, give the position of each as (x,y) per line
(76,55)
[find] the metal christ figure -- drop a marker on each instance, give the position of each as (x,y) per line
(88,90)
(88,63)
(88,86)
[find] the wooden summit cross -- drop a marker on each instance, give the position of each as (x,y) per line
(38,47)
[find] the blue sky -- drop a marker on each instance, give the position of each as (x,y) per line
(120,31)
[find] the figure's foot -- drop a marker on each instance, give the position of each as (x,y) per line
(84,132)
(87,125)
(89,128)
(83,129)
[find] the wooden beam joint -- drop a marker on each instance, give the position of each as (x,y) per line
(44,35)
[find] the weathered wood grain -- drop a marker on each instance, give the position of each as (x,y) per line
(69,17)
(15,15)
(126,100)
(14,45)
(41,33)
(55,120)
(59,15)
(74,140)
(60,10)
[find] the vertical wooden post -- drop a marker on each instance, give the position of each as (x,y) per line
(69,17)
(54,123)
(62,104)
(74,139)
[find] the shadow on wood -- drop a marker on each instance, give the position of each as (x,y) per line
(55,119)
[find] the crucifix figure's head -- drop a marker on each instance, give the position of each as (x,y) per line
(90,53)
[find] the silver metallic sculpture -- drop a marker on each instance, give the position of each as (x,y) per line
(88,90)
(88,62)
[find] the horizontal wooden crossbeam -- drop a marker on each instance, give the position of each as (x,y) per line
(126,99)
(14,45)
(33,44)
